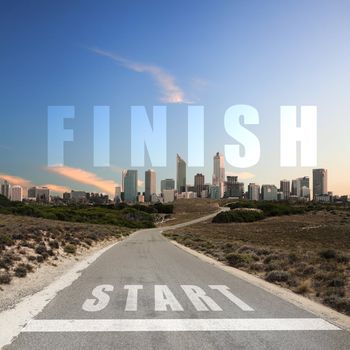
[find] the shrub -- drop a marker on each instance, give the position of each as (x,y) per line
(5,240)
(39,258)
(20,271)
(238,216)
(328,254)
(5,278)
(54,244)
(41,249)
(70,249)
(277,276)
(238,260)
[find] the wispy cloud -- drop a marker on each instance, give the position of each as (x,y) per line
(57,188)
(16,180)
(85,177)
(171,92)
(25,183)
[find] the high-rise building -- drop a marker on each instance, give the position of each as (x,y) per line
(219,172)
(150,184)
(6,189)
(180,174)
(41,194)
(319,180)
(253,192)
(269,192)
(117,194)
(199,184)
(234,188)
(130,186)
(168,196)
(285,188)
(167,184)
(16,193)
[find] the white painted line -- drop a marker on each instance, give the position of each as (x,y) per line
(180,325)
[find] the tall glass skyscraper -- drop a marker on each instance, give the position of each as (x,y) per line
(180,174)
(130,186)
(150,184)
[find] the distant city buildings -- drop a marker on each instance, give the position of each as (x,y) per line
(180,174)
(269,193)
(167,184)
(130,186)
(319,180)
(150,184)
(234,188)
(219,172)
(285,188)
(199,184)
(5,189)
(16,193)
(253,192)
(39,194)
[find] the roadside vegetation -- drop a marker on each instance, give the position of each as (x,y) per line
(135,216)
(27,243)
(308,253)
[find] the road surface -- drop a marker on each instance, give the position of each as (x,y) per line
(146,293)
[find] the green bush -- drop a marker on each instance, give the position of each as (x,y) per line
(277,276)
(238,260)
(70,249)
(20,271)
(5,278)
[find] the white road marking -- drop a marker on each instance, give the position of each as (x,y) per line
(102,298)
(131,301)
(226,292)
(199,299)
(163,297)
(180,325)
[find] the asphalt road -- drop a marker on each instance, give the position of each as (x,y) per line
(146,293)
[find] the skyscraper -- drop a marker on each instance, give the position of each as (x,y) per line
(219,172)
(269,192)
(5,189)
(285,188)
(16,193)
(118,194)
(167,184)
(180,174)
(253,192)
(319,180)
(150,184)
(199,184)
(130,186)
(234,188)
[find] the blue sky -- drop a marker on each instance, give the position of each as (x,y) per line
(212,53)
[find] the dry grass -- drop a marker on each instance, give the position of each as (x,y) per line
(190,209)
(307,253)
(26,243)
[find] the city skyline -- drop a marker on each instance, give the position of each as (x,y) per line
(227,186)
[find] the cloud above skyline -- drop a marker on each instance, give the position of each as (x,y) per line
(25,183)
(171,92)
(85,177)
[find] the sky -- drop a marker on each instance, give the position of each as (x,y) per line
(146,53)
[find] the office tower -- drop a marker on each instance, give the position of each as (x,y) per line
(285,188)
(150,184)
(117,194)
(214,192)
(130,186)
(41,194)
(253,192)
(5,189)
(199,184)
(269,192)
(168,196)
(234,188)
(167,184)
(180,174)
(319,179)
(16,193)
(295,187)
(219,172)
